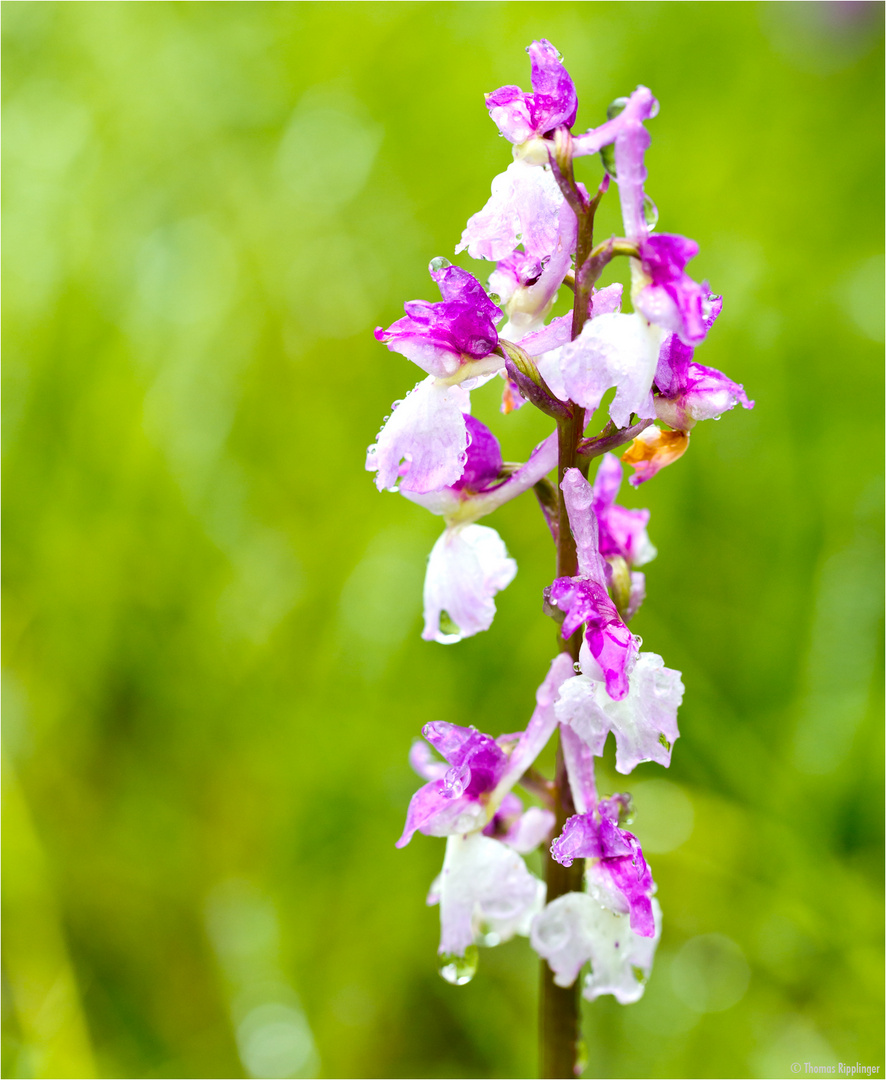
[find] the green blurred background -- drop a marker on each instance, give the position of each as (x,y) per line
(213,661)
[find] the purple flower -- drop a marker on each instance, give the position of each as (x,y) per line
(663,292)
(457,331)
(671,299)
(689,392)
(620,874)
(576,928)
(643,721)
(608,643)
(622,531)
(528,208)
(482,770)
(553,103)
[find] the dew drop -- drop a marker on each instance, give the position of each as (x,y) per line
(607,156)
(447,625)
(650,212)
(576,667)
(616,107)
(439,263)
(664,742)
(495,298)
(459,970)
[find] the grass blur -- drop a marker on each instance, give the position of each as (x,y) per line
(213,663)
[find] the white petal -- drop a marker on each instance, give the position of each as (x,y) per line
(468,565)
(612,350)
(485,888)
(427,429)
(524,207)
(644,723)
(574,928)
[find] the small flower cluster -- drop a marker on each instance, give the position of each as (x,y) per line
(537,229)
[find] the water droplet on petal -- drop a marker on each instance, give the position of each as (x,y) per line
(459,970)
(650,212)
(616,107)
(664,742)
(495,298)
(446,624)
(438,264)
(576,667)
(607,156)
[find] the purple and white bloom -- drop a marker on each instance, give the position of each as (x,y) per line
(485,887)
(482,770)
(670,298)
(526,207)
(662,291)
(619,876)
(609,648)
(452,336)
(469,563)
(612,350)
(689,392)
(626,125)
(576,928)
(643,720)
(622,531)
(552,104)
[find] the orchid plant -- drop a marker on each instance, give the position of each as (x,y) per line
(596,905)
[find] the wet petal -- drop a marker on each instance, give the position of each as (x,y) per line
(433,811)
(644,722)
(524,207)
(652,450)
(427,432)
(575,928)
(613,350)
(485,886)
(467,566)
(554,102)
